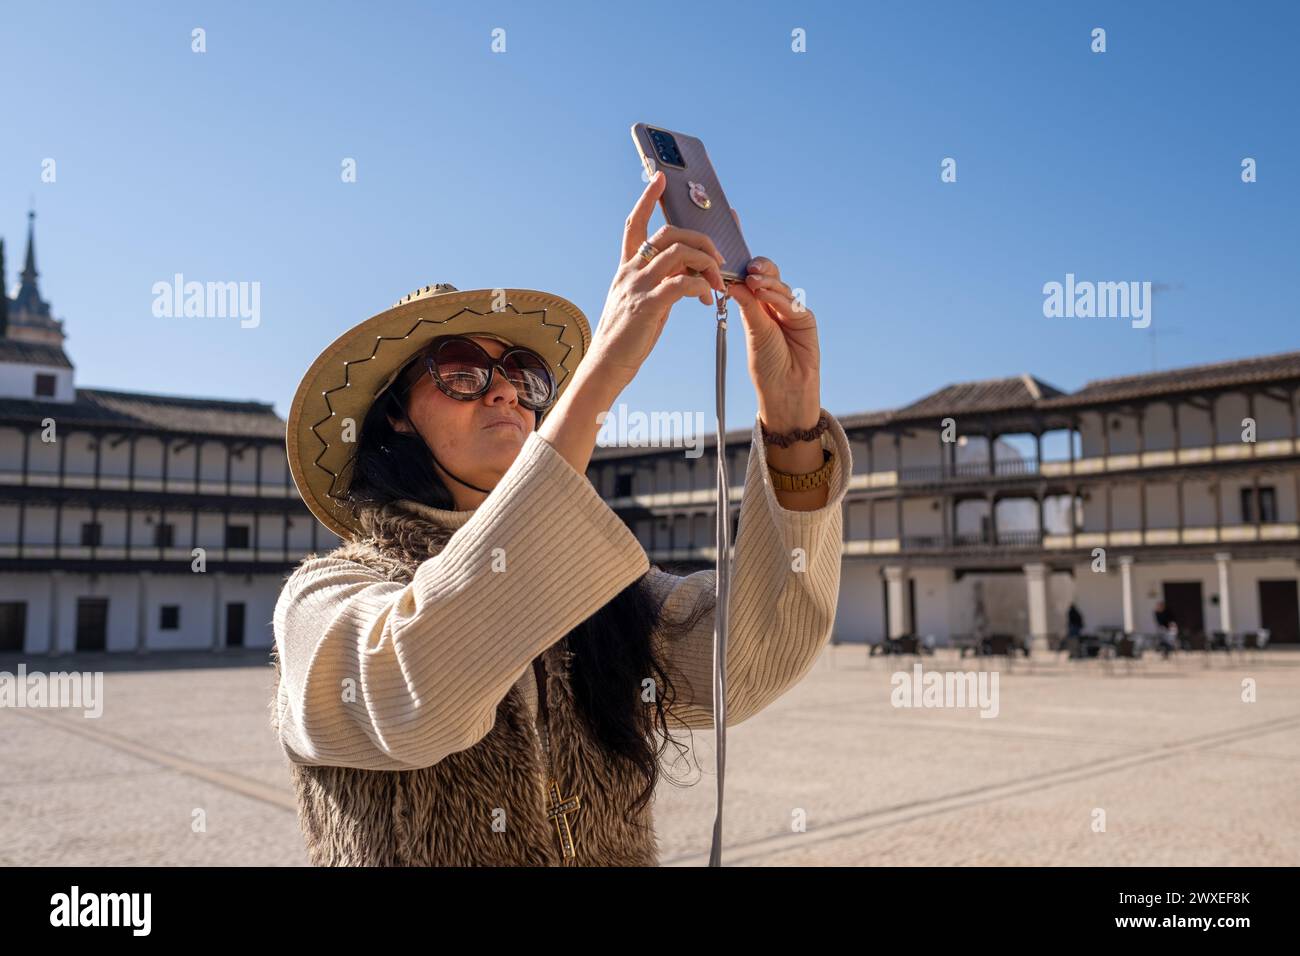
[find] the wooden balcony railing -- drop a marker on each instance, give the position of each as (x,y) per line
(964,471)
(972,542)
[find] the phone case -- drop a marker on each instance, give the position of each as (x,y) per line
(693,196)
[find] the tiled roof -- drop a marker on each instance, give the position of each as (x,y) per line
(990,395)
(1263,369)
(146,412)
(864,419)
(33,353)
(1026,393)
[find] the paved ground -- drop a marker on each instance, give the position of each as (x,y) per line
(1184,771)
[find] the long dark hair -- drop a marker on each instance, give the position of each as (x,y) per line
(613,651)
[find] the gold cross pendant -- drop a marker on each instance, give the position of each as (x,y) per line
(559,811)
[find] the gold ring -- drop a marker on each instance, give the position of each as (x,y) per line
(647,251)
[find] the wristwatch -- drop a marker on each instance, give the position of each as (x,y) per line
(782,481)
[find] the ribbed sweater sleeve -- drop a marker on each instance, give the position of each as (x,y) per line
(785,581)
(384,676)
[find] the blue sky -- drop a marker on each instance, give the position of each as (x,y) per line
(517,169)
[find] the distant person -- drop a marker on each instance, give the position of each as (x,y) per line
(1074,622)
(1168,629)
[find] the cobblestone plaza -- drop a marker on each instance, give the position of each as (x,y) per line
(1160,763)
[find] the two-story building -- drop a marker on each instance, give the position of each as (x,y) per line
(1178,486)
(131,521)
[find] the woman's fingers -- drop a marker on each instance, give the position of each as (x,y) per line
(680,257)
(756,281)
(785,306)
(679,287)
(744,297)
(667,235)
(638,220)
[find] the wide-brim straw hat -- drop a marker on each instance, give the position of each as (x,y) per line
(355,368)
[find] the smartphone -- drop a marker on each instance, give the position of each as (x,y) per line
(692,196)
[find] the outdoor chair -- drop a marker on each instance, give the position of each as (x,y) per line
(1252,642)
(1088,646)
(998,645)
(906,644)
(1128,649)
(1198,642)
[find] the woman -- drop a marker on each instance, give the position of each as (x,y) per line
(481,674)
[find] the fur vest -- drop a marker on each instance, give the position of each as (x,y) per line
(487,805)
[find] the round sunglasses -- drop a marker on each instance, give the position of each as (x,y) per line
(463,369)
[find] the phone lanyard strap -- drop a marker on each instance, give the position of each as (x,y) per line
(722,588)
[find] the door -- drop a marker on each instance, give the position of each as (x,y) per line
(911,605)
(235,624)
(13,625)
(1279,611)
(1183,600)
(884,590)
(92,624)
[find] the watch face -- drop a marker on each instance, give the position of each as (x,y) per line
(805,482)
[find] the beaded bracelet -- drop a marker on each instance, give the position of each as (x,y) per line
(796,434)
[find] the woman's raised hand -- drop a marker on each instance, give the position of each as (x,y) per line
(784,355)
(643,291)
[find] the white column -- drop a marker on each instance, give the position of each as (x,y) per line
(1225,591)
(142,613)
(1126,581)
(1036,579)
(56,597)
(217,639)
(896,581)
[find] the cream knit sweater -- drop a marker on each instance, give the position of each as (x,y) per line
(384,676)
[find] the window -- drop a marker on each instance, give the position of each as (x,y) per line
(164,535)
(45,385)
(169,617)
(13,625)
(623,485)
(644,531)
(1267,503)
(90,534)
(236,536)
